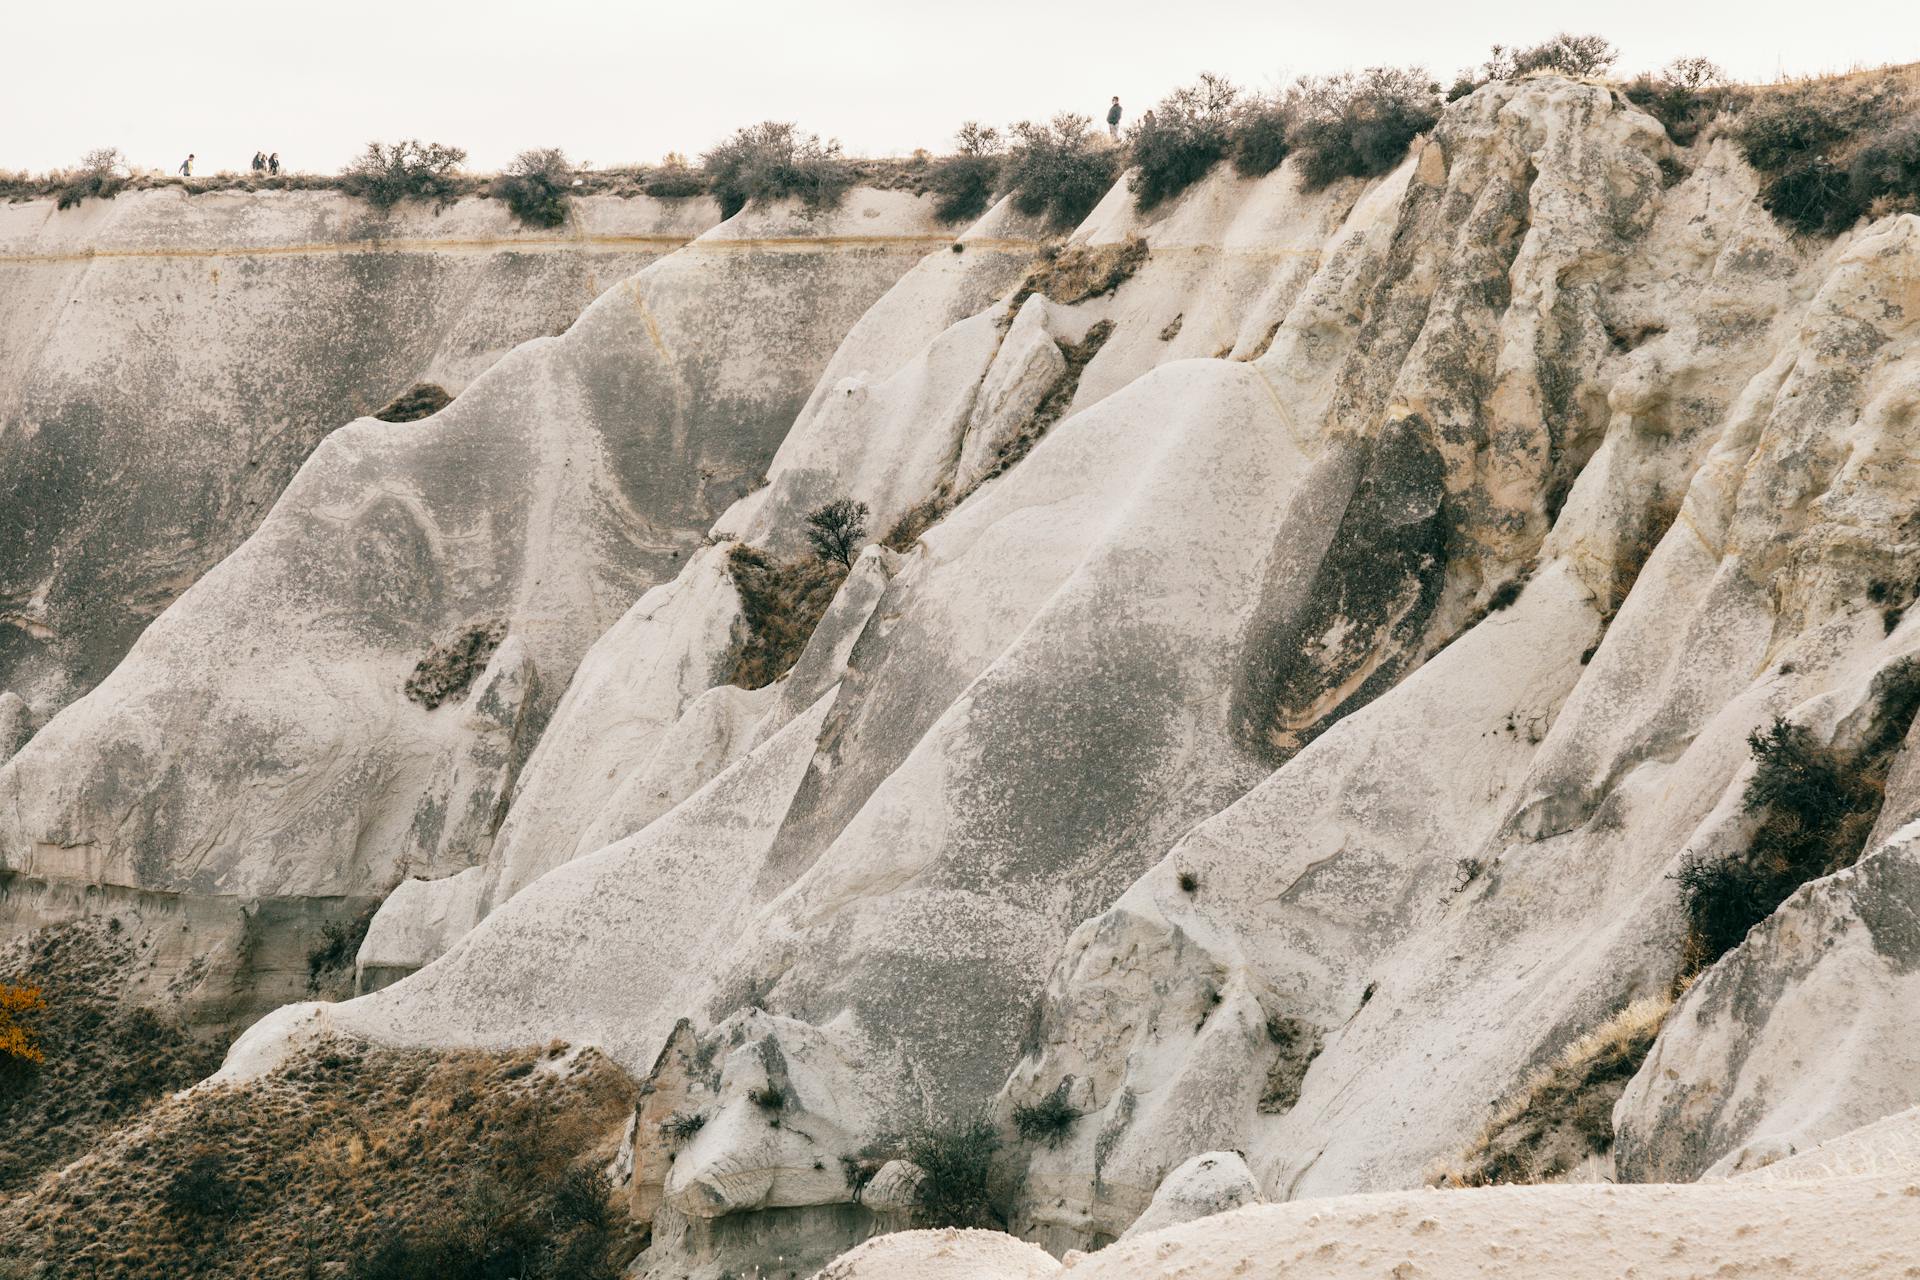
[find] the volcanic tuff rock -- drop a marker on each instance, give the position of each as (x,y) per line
(168,362)
(1287,750)
(255,746)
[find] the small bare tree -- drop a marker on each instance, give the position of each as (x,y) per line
(834,531)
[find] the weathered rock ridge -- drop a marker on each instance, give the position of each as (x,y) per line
(1281,738)
(168,362)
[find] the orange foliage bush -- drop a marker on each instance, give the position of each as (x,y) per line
(17,1040)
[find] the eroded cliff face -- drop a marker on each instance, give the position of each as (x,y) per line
(168,362)
(1295,676)
(260,744)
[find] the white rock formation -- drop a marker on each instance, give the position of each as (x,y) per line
(168,361)
(1288,755)
(1216,1182)
(256,744)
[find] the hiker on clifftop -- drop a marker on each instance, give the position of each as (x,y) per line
(273,164)
(186,166)
(1113,118)
(259,162)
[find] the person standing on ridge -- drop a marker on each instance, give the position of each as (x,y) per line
(259,162)
(1113,118)
(273,164)
(186,166)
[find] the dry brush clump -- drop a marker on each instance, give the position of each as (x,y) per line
(1359,126)
(1684,96)
(101,175)
(452,664)
(1048,1120)
(421,400)
(1079,272)
(1833,151)
(964,183)
(1814,807)
(330,964)
(388,173)
(537,187)
(955,1160)
(1562,1115)
(350,1161)
(782,601)
(774,160)
(1175,144)
(1058,170)
(20,1010)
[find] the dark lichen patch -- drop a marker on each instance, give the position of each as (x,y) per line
(451,665)
(1563,1113)
(422,400)
(781,602)
(1358,623)
(1296,1045)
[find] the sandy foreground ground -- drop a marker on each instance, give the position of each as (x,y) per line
(1862,1226)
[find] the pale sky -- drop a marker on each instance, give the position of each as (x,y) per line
(617,83)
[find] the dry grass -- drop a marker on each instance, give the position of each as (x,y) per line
(1079,272)
(101,1059)
(781,601)
(347,1161)
(451,665)
(422,400)
(1563,1113)
(1635,549)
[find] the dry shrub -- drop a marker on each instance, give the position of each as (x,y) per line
(19,1007)
(675,180)
(1260,137)
(451,665)
(1348,126)
(1563,1113)
(781,602)
(1683,96)
(388,173)
(1059,170)
(773,160)
(1080,272)
(834,530)
(1816,807)
(98,176)
(330,964)
(1048,1120)
(537,187)
(964,182)
(422,400)
(1833,151)
(1564,54)
(1186,133)
(409,1163)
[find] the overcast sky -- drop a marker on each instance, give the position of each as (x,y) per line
(623,82)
